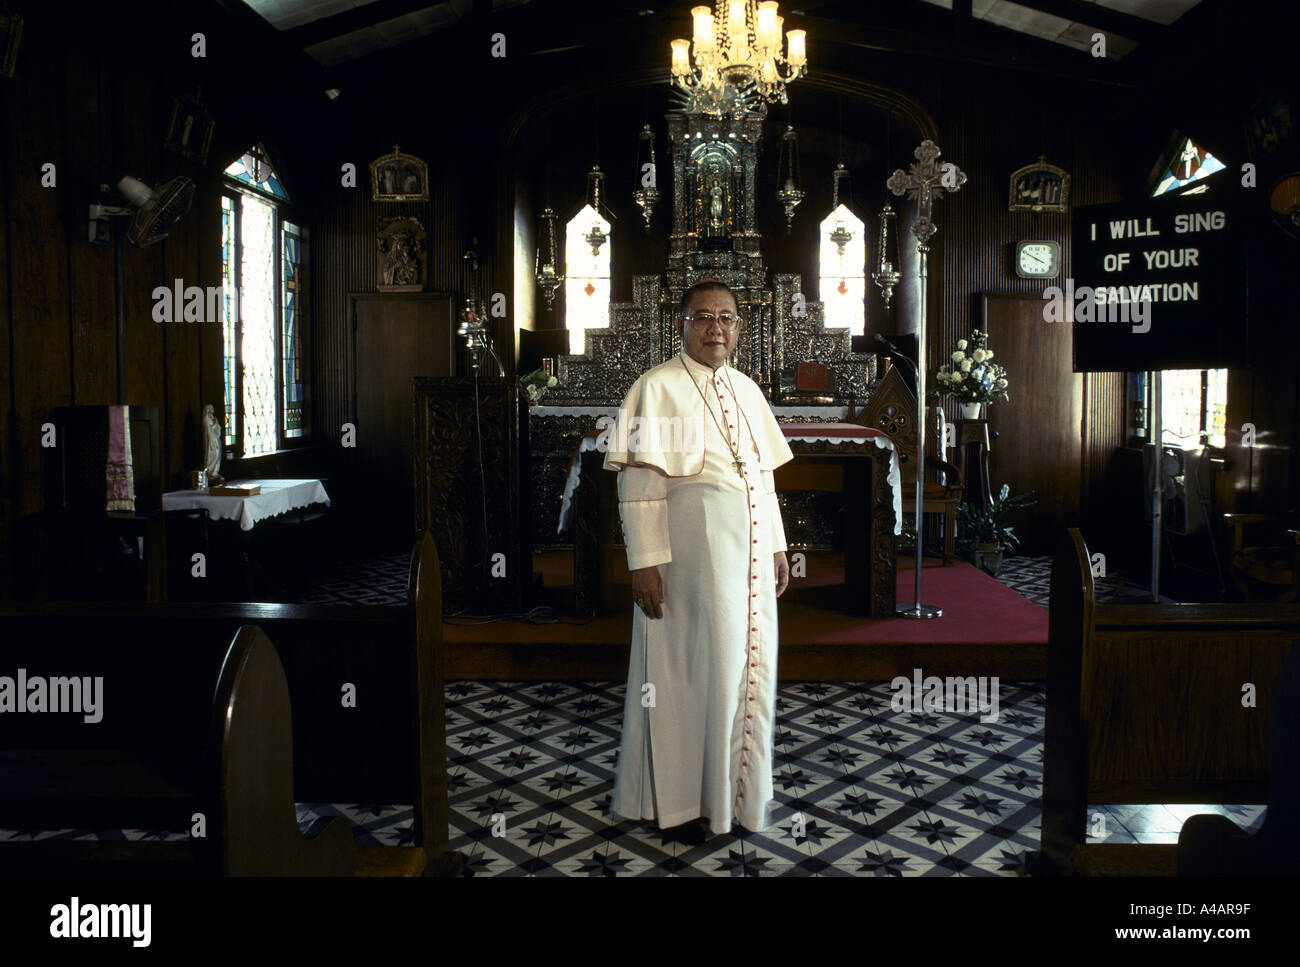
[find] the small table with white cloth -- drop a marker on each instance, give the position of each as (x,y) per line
(277,497)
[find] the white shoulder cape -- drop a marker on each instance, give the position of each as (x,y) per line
(661,422)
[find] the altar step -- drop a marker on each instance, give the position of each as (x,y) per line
(986,629)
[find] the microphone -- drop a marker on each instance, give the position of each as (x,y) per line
(896,353)
(887,344)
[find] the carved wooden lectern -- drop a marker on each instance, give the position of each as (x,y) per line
(470,438)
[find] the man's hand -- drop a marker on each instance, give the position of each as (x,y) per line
(648,591)
(782,568)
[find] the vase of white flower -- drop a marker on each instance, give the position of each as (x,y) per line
(971,411)
(971,376)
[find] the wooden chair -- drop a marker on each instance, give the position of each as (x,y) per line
(1269,572)
(1144,706)
(892,409)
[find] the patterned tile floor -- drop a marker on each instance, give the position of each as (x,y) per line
(860,790)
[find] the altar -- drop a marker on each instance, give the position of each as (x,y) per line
(715,235)
(859,463)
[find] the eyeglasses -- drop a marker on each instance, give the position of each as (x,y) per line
(703,321)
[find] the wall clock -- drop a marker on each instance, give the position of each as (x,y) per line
(1037,259)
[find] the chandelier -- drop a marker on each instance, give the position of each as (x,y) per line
(646,196)
(548,267)
(738,59)
(595,192)
(887,275)
(841,236)
(787,176)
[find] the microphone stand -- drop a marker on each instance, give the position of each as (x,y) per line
(896,353)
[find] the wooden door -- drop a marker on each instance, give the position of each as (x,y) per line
(1039,433)
(395,336)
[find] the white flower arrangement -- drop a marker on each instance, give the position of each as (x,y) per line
(972,377)
(536,384)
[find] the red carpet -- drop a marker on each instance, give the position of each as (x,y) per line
(986,629)
(977,610)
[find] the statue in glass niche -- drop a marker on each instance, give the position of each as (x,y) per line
(717,216)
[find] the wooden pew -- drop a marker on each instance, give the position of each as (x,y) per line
(241,785)
(389,748)
(1144,705)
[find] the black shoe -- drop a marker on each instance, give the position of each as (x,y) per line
(688,834)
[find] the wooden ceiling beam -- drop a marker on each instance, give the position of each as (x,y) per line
(1095,15)
(977,43)
(357,18)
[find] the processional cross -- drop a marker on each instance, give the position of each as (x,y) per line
(923,182)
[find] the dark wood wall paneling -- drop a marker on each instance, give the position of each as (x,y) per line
(82,101)
(8,412)
(977,234)
(344,253)
(1265,478)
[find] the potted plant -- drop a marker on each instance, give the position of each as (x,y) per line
(985,534)
(972,377)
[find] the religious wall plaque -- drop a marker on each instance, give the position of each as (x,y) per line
(401,254)
(190,132)
(399,177)
(1040,187)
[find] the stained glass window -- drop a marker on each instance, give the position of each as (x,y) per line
(1194,402)
(263,272)
(292,297)
(254,169)
(230,290)
(1188,163)
(257,323)
(586,284)
(843,273)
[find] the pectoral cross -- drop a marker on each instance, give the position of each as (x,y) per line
(740,466)
(922,181)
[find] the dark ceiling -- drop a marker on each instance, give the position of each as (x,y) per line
(333,32)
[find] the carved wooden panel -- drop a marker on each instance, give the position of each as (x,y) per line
(470,490)
(892,410)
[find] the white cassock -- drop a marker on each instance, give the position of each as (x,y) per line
(706,747)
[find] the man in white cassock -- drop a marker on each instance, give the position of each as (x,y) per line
(706,551)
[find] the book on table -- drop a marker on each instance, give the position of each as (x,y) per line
(235,490)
